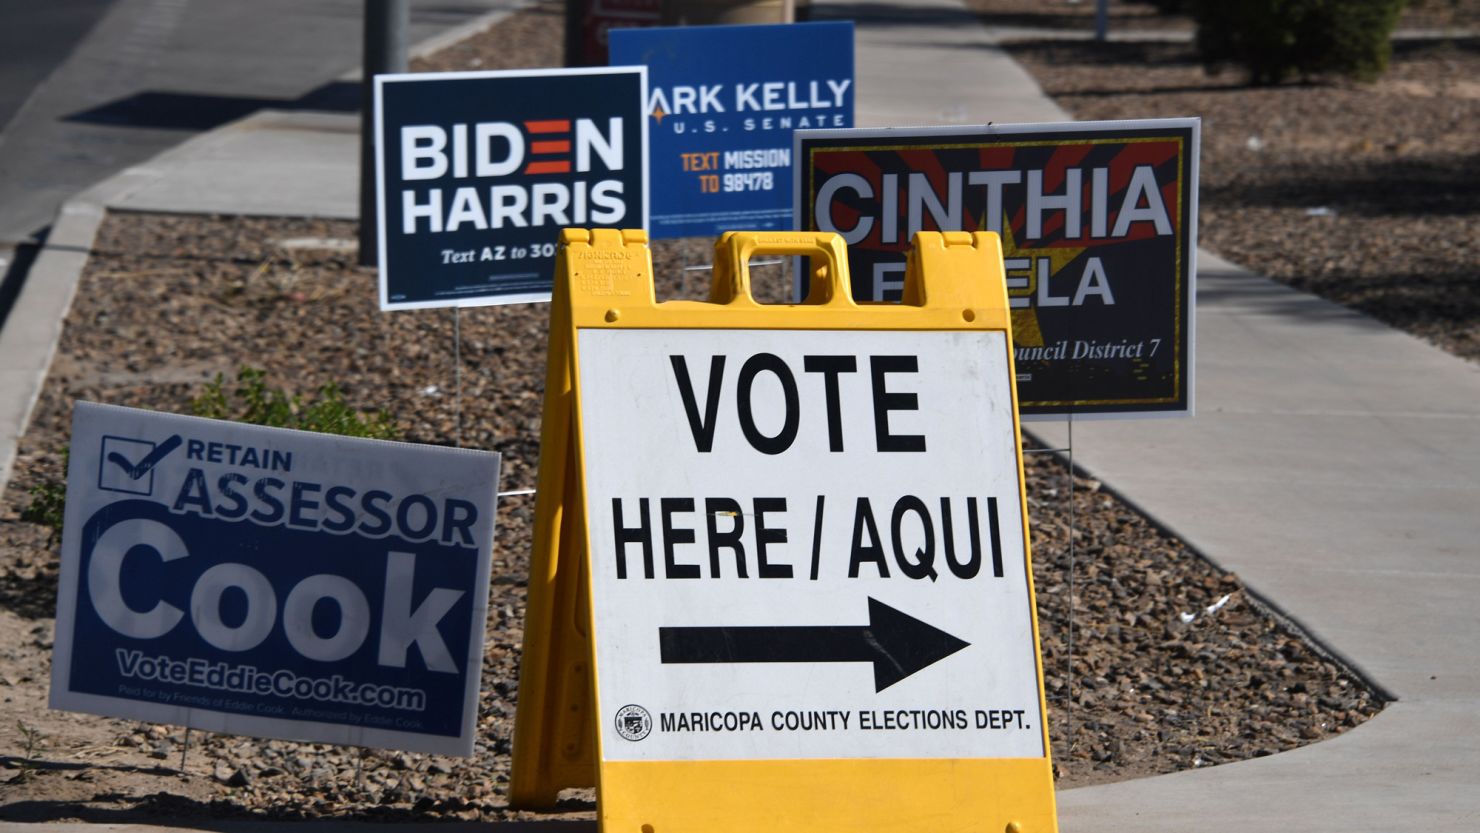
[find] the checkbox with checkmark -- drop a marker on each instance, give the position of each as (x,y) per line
(127,465)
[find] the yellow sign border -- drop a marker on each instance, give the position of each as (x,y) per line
(604,280)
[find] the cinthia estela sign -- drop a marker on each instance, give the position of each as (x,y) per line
(1098,222)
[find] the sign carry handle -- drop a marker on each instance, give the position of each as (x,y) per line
(828,286)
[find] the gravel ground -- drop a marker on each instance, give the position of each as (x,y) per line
(167,302)
(1365,194)
(1140,16)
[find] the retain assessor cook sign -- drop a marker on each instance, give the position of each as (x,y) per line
(478,172)
(831,560)
(274,583)
(1099,235)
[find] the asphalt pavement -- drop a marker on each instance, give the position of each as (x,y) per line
(1333,462)
(139,76)
(34,39)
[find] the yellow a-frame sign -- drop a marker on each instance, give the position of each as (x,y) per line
(781,577)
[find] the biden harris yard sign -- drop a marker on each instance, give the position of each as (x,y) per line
(722,104)
(478,171)
(275,583)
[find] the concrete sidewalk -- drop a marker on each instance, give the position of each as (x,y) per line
(1334,463)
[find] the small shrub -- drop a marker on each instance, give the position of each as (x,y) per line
(252,402)
(1278,39)
(32,741)
(49,503)
(47,507)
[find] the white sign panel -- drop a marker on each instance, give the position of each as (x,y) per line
(276,583)
(806,544)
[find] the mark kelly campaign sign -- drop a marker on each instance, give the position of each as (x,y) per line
(477,173)
(1099,235)
(275,583)
(722,104)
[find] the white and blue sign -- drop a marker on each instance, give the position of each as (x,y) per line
(722,104)
(275,583)
(477,172)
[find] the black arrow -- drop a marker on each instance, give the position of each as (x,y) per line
(896,643)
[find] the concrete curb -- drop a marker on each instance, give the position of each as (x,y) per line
(1007,35)
(28,342)
(34,326)
(439,42)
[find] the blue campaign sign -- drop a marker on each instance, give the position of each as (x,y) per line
(722,103)
(274,583)
(477,172)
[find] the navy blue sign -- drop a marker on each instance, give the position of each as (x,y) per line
(479,171)
(723,102)
(274,583)
(1098,222)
